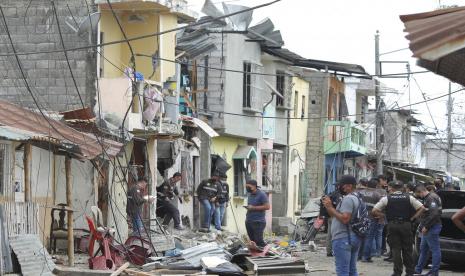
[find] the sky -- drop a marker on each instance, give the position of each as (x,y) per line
(343,31)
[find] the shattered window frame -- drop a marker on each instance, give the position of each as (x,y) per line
(247,85)
(281,88)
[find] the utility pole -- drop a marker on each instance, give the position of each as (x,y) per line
(379,115)
(449,127)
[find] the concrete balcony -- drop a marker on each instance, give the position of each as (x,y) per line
(344,136)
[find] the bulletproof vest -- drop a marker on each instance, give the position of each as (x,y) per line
(398,207)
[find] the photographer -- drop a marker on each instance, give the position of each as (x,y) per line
(335,197)
(345,243)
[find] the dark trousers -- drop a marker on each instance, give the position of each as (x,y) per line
(400,240)
(383,242)
(255,231)
(169,211)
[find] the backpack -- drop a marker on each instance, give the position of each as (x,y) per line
(360,223)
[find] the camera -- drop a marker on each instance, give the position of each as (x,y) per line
(335,199)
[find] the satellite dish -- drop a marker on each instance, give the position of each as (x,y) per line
(90,23)
(240,21)
(85,24)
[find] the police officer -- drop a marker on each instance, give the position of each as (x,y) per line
(166,192)
(371,195)
(208,192)
(223,199)
(400,209)
(430,227)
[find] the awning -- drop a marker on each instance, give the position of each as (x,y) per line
(437,39)
(244,152)
(205,127)
(20,124)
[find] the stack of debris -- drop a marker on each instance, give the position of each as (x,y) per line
(228,256)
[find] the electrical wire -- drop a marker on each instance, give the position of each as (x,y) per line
(426,103)
(65,52)
(198,23)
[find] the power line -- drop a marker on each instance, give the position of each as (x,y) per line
(322,117)
(133,59)
(198,23)
(66,53)
(269,74)
(426,103)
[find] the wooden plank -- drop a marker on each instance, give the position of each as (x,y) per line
(120,269)
(69,203)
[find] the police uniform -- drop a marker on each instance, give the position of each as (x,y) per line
(431,221)
(223,199)
(206,192)
(165,208)
(399,207)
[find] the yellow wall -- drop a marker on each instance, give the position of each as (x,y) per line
(297,142)
(225,147)
(120,54)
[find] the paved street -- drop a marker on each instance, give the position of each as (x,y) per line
(320,265)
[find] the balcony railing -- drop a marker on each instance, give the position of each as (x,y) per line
(344,136)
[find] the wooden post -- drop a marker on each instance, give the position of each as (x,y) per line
(69,202)
(27,171)
(152,162)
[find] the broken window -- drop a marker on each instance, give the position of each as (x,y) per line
(296,103)
(280,87)
(245,168)
(302,115)
(252,86)
(406,136)
(246,85)
(272,165)
(239,177)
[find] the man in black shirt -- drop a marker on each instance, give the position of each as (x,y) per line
(135,200)
(371,195)
(223,199)
(166,192)
(430,227)
(208,192)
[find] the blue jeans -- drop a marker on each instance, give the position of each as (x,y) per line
(209,210)
(378,240)
(137,226)
(345,255)
(430,242)
(370,247)
(219,215)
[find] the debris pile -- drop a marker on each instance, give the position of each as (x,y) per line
(221,254)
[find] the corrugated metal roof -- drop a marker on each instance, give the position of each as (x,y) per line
(32,255)
(432,30)
(437,38)
(300,61)
(18,122)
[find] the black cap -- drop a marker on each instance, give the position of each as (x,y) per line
(176,174)
(396,184)
(251,182)
(223,175)
(347,179)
